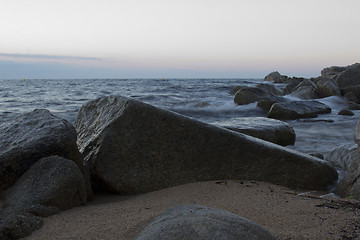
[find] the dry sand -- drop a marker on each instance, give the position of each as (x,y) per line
(285,213)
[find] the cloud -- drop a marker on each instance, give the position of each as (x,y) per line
(45,57)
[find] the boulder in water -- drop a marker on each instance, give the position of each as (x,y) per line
(305,92)
(250,95)
(133,147)
(193,222)
(298,109)
(271,130)
(273,76)
(332,71)
(327,87)
(349,77)
(270,88)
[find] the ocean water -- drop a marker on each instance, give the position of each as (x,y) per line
(207,100)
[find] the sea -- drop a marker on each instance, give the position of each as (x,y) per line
(208,100)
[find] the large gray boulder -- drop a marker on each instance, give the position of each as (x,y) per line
(349,77)
(252,94)
(133,147)
(50,185)
(32,136)
(327,87)
(193,222)
(271,130)
(298,109)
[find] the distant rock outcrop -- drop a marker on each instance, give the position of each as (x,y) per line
(133,147)
(194,222)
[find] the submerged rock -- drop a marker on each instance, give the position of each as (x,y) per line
(346,112)
(133,147)
(271,130)
(32,136)
(298,109)
(193,222)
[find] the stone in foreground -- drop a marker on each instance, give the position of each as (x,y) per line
(193,222)
(32,136)
(267,129)
(133,147)
(298,109)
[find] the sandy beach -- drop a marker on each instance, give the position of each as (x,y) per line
(286,213)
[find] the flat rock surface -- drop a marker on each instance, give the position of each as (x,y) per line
(285,213)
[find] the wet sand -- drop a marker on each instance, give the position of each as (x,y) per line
(286,213)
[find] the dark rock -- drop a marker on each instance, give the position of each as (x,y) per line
(266,104)
(351,97)
(357,133)
(273,76)
(133,147)
(353,106)
(15,225)
(290,88)
(318,155)
(235,89)
(355,90)
(332,71)
(298,109)
(341,157)
(271,130)
(349,77)
(270,88)
(193,222)
(327,87)
(31,136)
(349,186)
(251,95)
(346,112)
(305,92)
(50,182)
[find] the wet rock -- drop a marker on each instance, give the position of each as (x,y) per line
(327,87)
(305,92)
(351,97)
(235,89)
(298,109)
(354,89)
(133,147)
(318,155)
(271,130)
(357,133)
(270,88)
(202,105)
(32,136)
(346,112)
(353,106)
(193,222)
(251,95)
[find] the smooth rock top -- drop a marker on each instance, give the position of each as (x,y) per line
(134,147)
(31,136)
(349,77)
(194,222)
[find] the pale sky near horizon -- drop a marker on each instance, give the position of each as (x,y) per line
(177,38)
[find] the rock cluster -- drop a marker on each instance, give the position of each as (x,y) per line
(41,172)
(334,81)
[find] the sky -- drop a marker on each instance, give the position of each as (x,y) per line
(176,38)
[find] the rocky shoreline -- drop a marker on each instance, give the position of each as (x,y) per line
(124,146)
